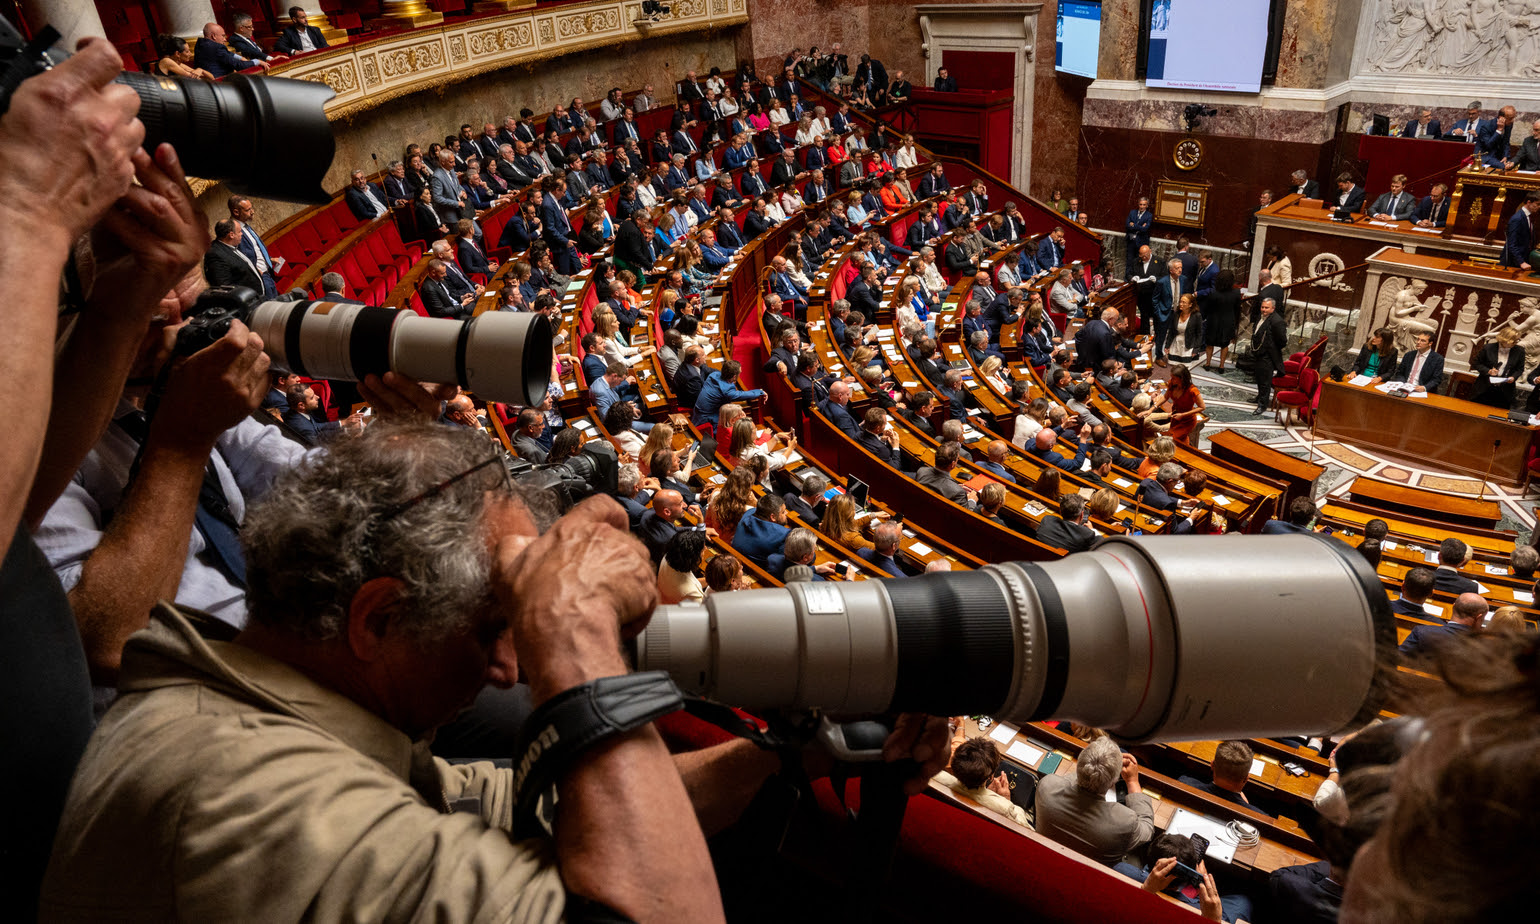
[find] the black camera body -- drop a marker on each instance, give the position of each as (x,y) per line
(211,315)
(263,136)
(594,470)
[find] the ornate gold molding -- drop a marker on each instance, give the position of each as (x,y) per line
(368,74)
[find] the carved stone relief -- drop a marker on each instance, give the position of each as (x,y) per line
(1460,38)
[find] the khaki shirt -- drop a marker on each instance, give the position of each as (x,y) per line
(988,798)
(225,786)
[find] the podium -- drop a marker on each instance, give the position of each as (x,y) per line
(1483,201)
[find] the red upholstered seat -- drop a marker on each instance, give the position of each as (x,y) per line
(1304,397)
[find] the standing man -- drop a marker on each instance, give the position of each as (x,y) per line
(251,245)
(1168,295)
(1521,237)
(448,197)
(555,228)
(1144,273)
(1264,199)
(1492,143)
(1138,233)
(1267,341)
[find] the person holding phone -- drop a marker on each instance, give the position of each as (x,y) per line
(1176,869)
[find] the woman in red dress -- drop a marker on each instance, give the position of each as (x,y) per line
(1184,402)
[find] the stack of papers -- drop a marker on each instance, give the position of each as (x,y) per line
(1027,754)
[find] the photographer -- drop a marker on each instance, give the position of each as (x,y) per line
(389,581)
(70,142)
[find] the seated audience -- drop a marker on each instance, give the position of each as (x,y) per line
(676,576)
(1231,767)
(973,774)
(1453,555)
(1074,811)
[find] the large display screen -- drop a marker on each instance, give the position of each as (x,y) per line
(1079,35)
(1207,45)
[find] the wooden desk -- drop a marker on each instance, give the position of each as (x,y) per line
(1436,505)
(1424,160)
(1483,200)
(1448,433)
(1297,475)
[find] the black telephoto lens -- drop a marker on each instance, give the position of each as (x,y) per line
(264,136)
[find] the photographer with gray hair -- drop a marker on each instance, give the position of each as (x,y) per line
(1075,812)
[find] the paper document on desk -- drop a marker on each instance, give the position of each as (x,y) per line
(1482,588)
(1360,380)
(1221,843)
(1434,610)
(1428,230)
(1523,596)
(1430,557)
(1491,569)
(1257,765)
(919,548)
(1024,752)
(1221,500)
(1002,733)
(1122,483)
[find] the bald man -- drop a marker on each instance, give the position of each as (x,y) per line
(994,461)
(1469,612)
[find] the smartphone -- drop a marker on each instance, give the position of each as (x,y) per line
(1187,873)
(1326,530)
(1200,842)
(898,519)
(843,569)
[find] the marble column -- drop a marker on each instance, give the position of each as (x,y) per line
(187,17)
(408,14)
(73,19)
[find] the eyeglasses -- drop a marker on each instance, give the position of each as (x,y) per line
(390,513)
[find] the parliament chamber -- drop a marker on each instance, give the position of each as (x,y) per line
(904,331)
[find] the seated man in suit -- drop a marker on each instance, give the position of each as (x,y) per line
(1433,210)
(762,531)
(1301,513)
(334,289)
(994,461)
(631,495)
(835,407)
(690,377)
(1395,205)
(945,82)
(659,524)
(1074,811)
(1494,140)
(366,200)
(1415,588)
(438,299)
(878,437)
(1300,183)
(800,548)
(807,501)
(939,476)
(1469,612)
(306,418)
(210,53)
(1230,769)
(886,538)
(1043,443)
(526,437)
(224,264)
(1453,555)
(1067,530)
(1424,126)
(1159,490)
(1420,367)
(299,36)
(1349,198)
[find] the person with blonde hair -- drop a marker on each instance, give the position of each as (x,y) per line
(661,436)
(1103,504)
(1159,450)
(1508,619)
(1498,366)
(990,369)
(730,502)
(745,445)
(727,415)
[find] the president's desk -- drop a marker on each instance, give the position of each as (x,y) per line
(1433,431)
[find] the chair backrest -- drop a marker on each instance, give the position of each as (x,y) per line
(1309,382)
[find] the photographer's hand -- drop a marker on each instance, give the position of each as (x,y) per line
(924,739)
(400,397)
(67,142)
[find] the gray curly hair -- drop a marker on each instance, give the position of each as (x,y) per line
(331,525)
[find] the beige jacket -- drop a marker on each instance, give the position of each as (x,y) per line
(988,798)
(225,786)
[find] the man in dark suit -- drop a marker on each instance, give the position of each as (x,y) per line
(1050,250)
(1043,448)
(1349,198)
(1395,205)
(243,41)
(438,299)
(555,229)
(224,264)
(1520,240)
(1159,490)
(1145,272)
(1266,288)
(1529,152)
(887,536)
(1424,126)
(1415,588)
(934,181)
(1469,612)
(762,531)
(1453,554)
(807,502)
(1267,342)
(1301,513)
(1421,367)
(301,417)
(945,82)
(836,408)
(210,53)
(299,36)
(365,200)
(1493,142)
(658,525)
(397,190)
(758,220)
(1307,188)
(877,437)
(1433,210)
(1137,231)
(690,377)
(1165,297)
(1067,530)
(938,476)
